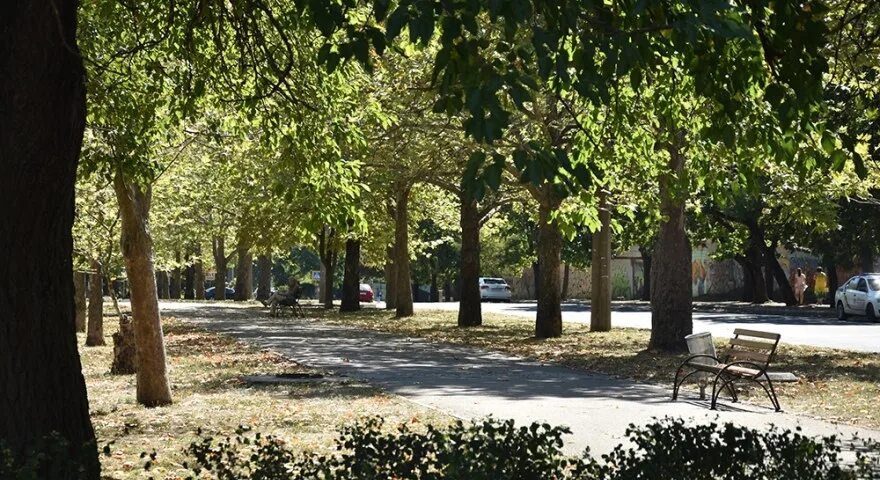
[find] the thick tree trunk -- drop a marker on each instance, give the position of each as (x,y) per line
(244,274)
(351,279)
(390,280)
(671,294)
(536,273)
(833,281)
(647,256)
(189,283)
(548,321)
(447,291)
(95,336)
(137,249)
(42,116)
(866,257)
(435,291)
(755,260)
(174,285)
(771,262)
(162,285)
(469,309)
(748,289)
(199,276)
(404,307)
(264,277)
(221,263)
(768,281)
(327,253)
(79,300)
(566,272)
(124,348)
(600,307)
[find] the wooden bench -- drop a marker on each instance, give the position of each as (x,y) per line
(747,358)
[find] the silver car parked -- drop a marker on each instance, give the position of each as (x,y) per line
(860,295)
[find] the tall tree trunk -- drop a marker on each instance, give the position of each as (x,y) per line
(833,281)
(42,117)
(176,279)
(771,262)
(447,291)
(469,309)
(244,274)
(404,307)
(351,279)
(435,292)
(137,249)
(199,276)
(79,300)
(647,256)
(600,307)
(671,294)
(548,321)
(189,283)
(768,281)
(327,253)
(536,273)
(264,277)
(162,285)
(755,260)
(566,272)
(390,280)
(748,289)
(95,336)
(221,263)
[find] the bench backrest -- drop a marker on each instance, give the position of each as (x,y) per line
(752,346)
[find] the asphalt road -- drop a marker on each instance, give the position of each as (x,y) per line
(855,334)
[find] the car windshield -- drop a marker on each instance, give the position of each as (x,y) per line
(874,283)
(494,281)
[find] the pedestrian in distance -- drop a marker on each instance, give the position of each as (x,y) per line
(820,285)
(799,285)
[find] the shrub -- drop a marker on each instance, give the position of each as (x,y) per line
(492,449)
(49,457)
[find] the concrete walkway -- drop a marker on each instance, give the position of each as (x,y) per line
(471,383)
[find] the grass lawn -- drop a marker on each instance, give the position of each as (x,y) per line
(205,370)
(835,385)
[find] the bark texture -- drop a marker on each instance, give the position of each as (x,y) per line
(162,285)
(351,280)
(137,250)
(199,277)
(470,312)
(189,283)
(95,335)
(566,273)
(244,274)
(404,305)
(671,294)
(264,276)
(79,300)
(221,263)
(176,281)
(390,281)
(124,348)
(754,261)
(785,291)
(42,117)
(600,306)
(548,321)
(329,256)
(647,257)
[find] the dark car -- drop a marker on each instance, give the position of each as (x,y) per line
(209,293)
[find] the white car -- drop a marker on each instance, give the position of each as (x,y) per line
(494,289)
(860,295)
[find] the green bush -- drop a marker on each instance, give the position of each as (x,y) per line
(50,457)
(491,449)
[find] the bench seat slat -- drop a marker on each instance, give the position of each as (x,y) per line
(756,333)
(741,342)
(757,357)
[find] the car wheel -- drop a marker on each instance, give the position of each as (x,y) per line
(841,313)
(871,314)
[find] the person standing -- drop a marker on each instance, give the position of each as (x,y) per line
(799,285)
(820,285)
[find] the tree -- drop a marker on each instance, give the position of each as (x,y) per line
(43,118)
(351,280)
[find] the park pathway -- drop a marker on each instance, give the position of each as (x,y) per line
(471,383)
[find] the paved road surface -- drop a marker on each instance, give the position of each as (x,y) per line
(855,334)
(471,383)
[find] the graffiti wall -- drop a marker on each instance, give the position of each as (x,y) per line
(714,278)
